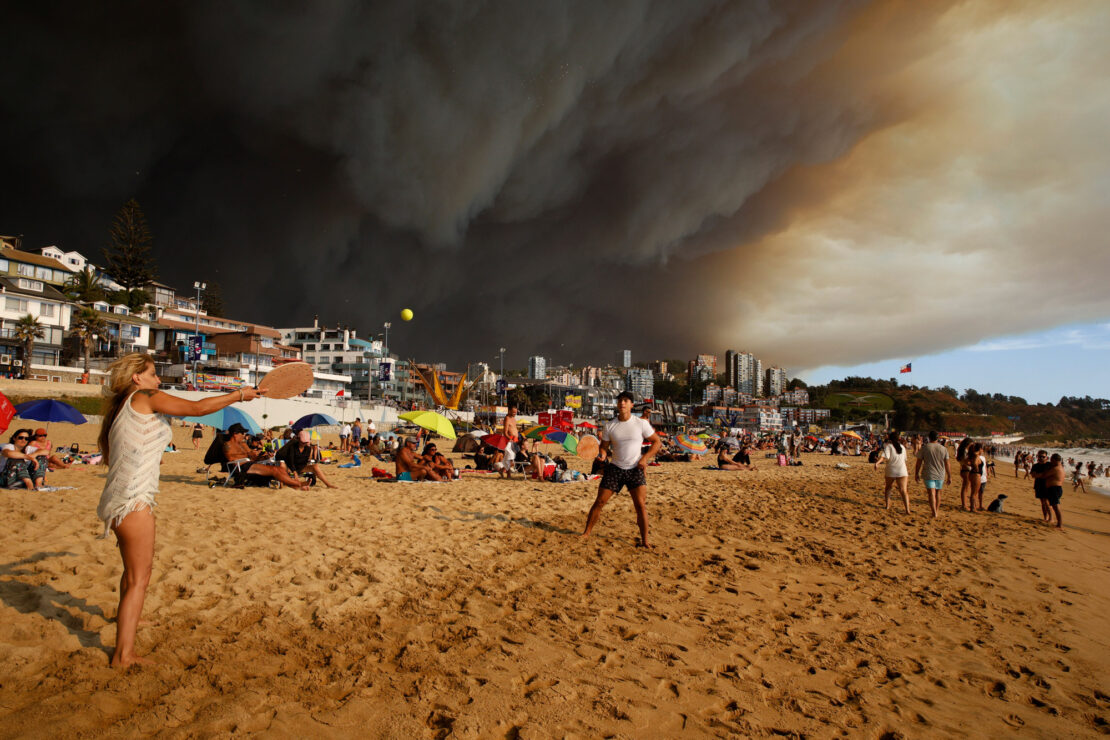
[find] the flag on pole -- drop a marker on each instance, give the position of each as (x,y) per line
(340,394)
(907,368)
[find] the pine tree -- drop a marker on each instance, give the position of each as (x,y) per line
(213,300)
(128,254)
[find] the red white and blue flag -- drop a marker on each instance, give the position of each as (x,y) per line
(907,368)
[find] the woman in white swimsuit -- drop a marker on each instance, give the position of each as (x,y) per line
(132,438)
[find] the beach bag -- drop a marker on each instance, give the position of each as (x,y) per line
(782,461)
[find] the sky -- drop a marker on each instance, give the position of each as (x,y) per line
(1040,367)
(827,184)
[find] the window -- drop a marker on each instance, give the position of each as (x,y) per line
(23,269)
(47,310)
(4,266)
(267,342)
(44,273)
(15,304)
(26,284)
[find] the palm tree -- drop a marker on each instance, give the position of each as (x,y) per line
(84,286)
(27,330)
(88,325)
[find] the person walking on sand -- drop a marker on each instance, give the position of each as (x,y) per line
(897,474)
(933,458)
(133,435)
(1077,478)
(621,440)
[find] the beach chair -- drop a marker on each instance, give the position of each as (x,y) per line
(235,471)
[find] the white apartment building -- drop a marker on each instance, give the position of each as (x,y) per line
(763,419)
(20,296)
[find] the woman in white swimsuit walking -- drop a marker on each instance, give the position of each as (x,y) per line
(132,438)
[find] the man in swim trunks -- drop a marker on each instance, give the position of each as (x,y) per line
(933,457)
(409,465)
(624,436)
(1054,486)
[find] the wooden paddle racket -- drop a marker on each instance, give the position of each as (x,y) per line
(588,447)
(288,380)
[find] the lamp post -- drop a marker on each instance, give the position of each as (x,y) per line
(385,346)
(196,331)
(501,379)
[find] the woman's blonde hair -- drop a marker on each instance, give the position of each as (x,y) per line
(118,389)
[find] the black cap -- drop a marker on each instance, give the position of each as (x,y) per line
(237,428)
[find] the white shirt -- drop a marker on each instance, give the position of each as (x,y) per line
(625,439)
(895,461)
(345,430)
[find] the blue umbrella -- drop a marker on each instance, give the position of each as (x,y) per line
(314,420)
(49,410)
(225,417)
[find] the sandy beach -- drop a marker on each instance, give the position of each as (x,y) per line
(781,602)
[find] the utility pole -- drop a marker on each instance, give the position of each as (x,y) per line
(196,333)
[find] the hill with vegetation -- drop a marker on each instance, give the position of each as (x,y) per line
(912,407)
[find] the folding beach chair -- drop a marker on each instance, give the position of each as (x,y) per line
(234,470)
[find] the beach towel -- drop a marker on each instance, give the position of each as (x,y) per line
(51,489)
(379,473)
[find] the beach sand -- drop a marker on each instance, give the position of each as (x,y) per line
(781,602)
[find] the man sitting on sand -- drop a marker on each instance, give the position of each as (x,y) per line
(624,437)
(299,456)
(726,462)
(236,450)
(409,466)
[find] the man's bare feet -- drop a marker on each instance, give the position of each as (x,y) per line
(645,545)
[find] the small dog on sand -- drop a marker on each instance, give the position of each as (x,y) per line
(996,505)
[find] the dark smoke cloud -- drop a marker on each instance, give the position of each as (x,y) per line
(568,179)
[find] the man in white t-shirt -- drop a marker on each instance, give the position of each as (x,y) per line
(621,439)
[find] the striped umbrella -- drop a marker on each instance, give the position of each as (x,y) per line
(691,444)
(567,440)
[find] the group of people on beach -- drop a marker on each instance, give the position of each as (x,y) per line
(26,459)
(933,466)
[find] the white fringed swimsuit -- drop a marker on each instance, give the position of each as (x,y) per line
(137,442)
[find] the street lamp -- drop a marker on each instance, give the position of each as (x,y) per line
(501,379)
(196,331)
(386,345)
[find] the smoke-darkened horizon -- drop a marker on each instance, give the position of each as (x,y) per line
(817,182)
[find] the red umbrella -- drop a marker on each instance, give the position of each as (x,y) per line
(588,425)
(499,441)
(7,412)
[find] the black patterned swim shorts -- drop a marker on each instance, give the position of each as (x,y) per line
(614,478)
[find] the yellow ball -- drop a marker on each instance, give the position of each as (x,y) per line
(406,314)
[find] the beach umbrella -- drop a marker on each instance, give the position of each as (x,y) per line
(224,418)
(539,432)
(587,425)
(690,444)
(433,422)
(314,420)
(567,440)
(477,433)
(498,441)
(7,412)
(49,410)
(853,435)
